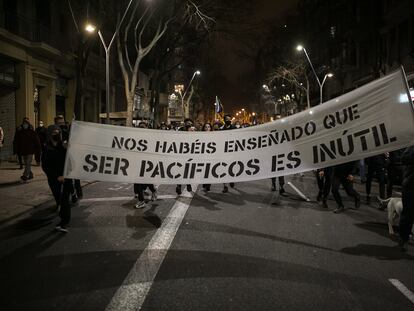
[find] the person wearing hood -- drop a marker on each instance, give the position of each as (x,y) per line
(53,163)
(27,145)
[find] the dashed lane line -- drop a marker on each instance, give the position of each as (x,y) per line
(403,289)
(134,289)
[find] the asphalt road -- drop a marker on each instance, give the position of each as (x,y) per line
(249,249)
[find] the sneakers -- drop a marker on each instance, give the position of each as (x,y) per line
(340,209)
(189,189)
(178,190)
(140,204)
(154,196)
(225,189)
(61,229)
(23,179)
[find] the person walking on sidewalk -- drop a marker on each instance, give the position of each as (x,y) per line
(53,162)
(15,148)
(27,145)
(407,215)
(342,175)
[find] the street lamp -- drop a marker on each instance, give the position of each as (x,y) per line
(328,75)
(185,107)
(90,28)
(266,88)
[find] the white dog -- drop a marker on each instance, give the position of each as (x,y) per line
(394,208)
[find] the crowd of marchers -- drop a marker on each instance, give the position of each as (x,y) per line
(47,145)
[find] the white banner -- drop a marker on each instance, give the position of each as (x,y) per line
(373,119)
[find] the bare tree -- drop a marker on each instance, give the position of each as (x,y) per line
(146,26)
(294,74)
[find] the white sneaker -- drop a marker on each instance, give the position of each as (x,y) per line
(140,204)
(154,196)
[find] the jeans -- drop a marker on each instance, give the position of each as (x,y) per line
(27,173)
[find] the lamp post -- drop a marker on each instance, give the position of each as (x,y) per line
(90,28)
(328,75)
(185,107)
(266,88)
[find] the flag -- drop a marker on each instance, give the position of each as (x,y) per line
(219,107)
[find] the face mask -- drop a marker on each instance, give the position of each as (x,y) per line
(25,126)
(56,138)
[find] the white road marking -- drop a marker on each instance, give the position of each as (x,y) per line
(110,199)
(133,291)
(299,192)
(403,289)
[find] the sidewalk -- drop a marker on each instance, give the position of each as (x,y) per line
(17,198)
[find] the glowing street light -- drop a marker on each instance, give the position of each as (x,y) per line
(90,28)
(329,75)
(183,105)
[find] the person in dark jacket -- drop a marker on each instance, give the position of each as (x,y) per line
(188,127)
(376,166)
(227,126)
(27,145)
(41,132)
(343,175)
(407,215)
(53,163)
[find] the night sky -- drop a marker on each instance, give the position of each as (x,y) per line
(236,68)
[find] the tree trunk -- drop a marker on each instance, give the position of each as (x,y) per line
(130,106)
(307,92)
